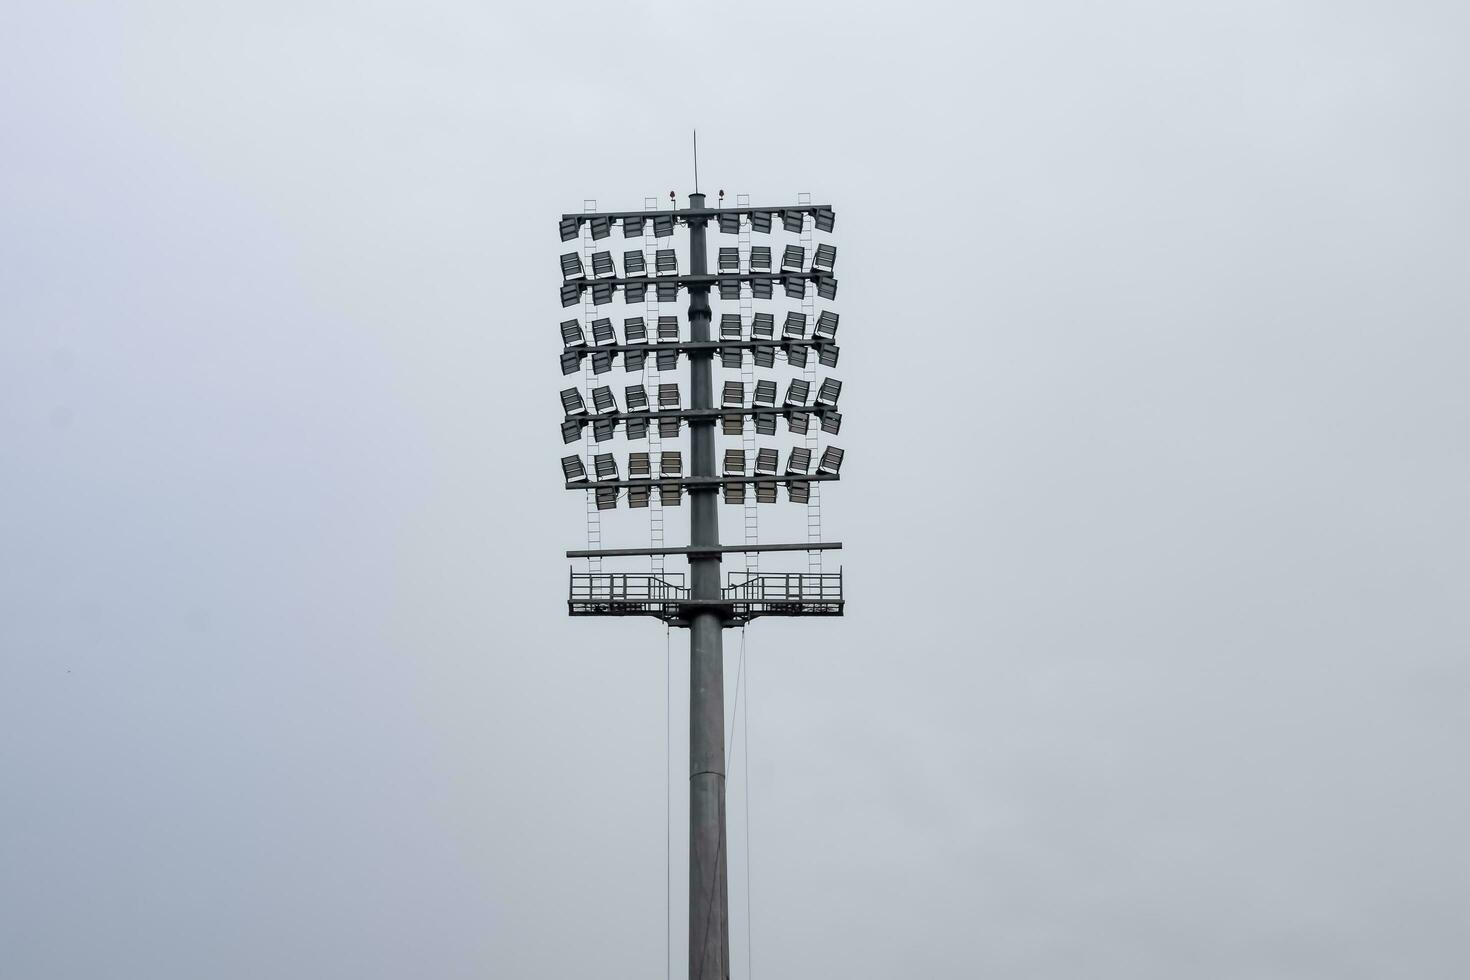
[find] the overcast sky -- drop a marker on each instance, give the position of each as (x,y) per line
(1154,323)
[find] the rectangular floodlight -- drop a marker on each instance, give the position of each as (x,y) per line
(667,292)
(604,429)
(571,333)
(734,462)
(571,402)
(668,494)
(603,402)
(761,221)
(795,286)
(800,460)
(793,329)
(829,391)
(636,397)
(827,356)
(765,424)
(572,469)
(793,259)
(798,422)
(601,228)
(733,395)
(760,258)
(633,226)
(729,260)
(765,393)
(571,430)
(571,361)
(607,498)
(824,258)
(730,358)
(796,393)
(765,462)
(665,262)
(729,224)
(667,360)
(732,425)
(602,265)
(570,228)
(635,292)
(668,427)
(729,289)
(602,293)
(763,327)
(799,493)
(826,326)
(765,493)
(796,356)
(670,464)
(635,331)
(792,221)
(638,496)
(633,360)
(602,332)
(663,225)
(730,326)
(668,396)
(759,289)
(825,218)
(633,263)
(668,329)
(635,429)
(734,493)
(571,266)
(606,466)
(570,293)
(832,422)
(602,362)
(638,466)
(827,287)
(831,461)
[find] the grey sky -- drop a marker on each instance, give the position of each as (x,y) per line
(1155,657)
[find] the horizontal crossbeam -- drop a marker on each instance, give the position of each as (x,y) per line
(701,345)
(720,550)
(706,413)
(705,279)
(703,481)
(696,212)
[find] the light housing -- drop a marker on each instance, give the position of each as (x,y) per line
(665,262)
(729,224)
(829,392)
(825,258)
(570,228)
(571,402)
(825,218)
(831,461)
(633,264)
(602,265)
(729,260)
(761,221)
(663,225)
(793,259)
(601,227)
(571,333)
(792,220)
(573,470)
(571,266)
(633,226)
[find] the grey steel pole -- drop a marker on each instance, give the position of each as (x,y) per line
(709,919)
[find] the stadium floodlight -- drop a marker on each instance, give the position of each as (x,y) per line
(826,328)
(824,258)
(716,411)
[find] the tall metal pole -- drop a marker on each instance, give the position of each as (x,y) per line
(709,919)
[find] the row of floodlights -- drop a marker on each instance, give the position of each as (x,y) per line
(666,262)
(795,409)
(671,468)
(732,331)
(792,220)
(793,286)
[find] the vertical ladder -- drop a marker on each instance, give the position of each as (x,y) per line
(747,380)
(650,380)
(589,313)
(809,308)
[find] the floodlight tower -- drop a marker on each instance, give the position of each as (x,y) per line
(704,607)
